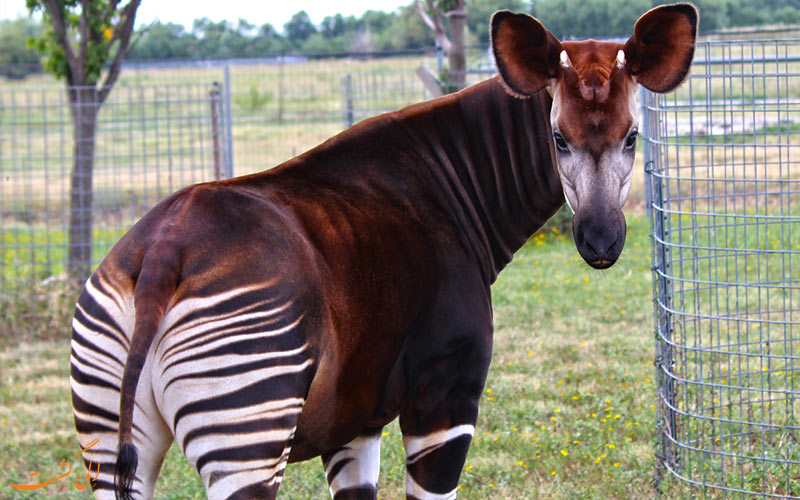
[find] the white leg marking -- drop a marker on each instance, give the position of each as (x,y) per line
(363,469)
(419,446)
(417,491)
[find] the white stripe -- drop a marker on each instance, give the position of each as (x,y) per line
(122,300)
(226,360)
(199,388)
(111,307)
(102,397)
(223,487)
(269,473)
(199,446)
(177,338)
(416,444)
(276,408)
(197,331)
(364,470)
(113,379)
(209,322)
(111,363)
(97,327)
(187,306)
(414,489)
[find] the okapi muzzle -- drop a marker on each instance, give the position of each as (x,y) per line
(599,236)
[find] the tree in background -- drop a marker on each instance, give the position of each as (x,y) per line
(162,41)
(594,18)
(448,20)
(299,28)
(268,41)
(82,36)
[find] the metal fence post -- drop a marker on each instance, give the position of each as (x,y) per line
(214,101)
(227,122)
(663,359)
(347,92)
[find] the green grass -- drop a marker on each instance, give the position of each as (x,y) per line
(568,411)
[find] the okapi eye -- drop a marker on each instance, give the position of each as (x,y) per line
(561,143)
(630,141)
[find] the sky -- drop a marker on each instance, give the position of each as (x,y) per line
(277,13)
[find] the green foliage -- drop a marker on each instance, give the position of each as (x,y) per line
(407,31)
(590,18)
(253,100)
(162,41)
(446,82)
(17,58)
(299,28)
(98,34)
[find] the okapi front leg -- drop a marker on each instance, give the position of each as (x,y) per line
(438,420)
(352,470)
(434,462)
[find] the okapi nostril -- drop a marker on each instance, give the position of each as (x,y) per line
(599,242)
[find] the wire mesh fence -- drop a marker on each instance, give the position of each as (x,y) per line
(284,106)
(150,141)
(160,130)
(723,185)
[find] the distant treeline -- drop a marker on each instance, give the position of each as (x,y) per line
(380,31)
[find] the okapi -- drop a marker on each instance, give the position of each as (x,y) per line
(293,313)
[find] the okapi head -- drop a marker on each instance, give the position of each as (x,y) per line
(594,116)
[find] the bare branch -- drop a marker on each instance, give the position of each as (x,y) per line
(122,33)
(425,17)
(84,32)
(435,23)
(455,13)
(457,10)
(75,76)
(110,9)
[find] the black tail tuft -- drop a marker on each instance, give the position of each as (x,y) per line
(125,470)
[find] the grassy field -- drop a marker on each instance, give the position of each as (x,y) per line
(568,411)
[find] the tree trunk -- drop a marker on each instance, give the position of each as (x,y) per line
(84,106)
(456,57)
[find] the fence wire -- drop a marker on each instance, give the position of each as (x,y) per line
(283,106)
(160,130)
(150,141)
(723,188)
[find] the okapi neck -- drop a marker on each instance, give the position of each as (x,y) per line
(491,155)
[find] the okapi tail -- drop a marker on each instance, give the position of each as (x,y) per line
(125,470)
(153,291)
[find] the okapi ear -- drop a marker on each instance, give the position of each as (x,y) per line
(660,52)
(527,55)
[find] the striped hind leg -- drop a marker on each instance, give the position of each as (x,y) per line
(352,470)
(101,329)
(233,372)
(239,452)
